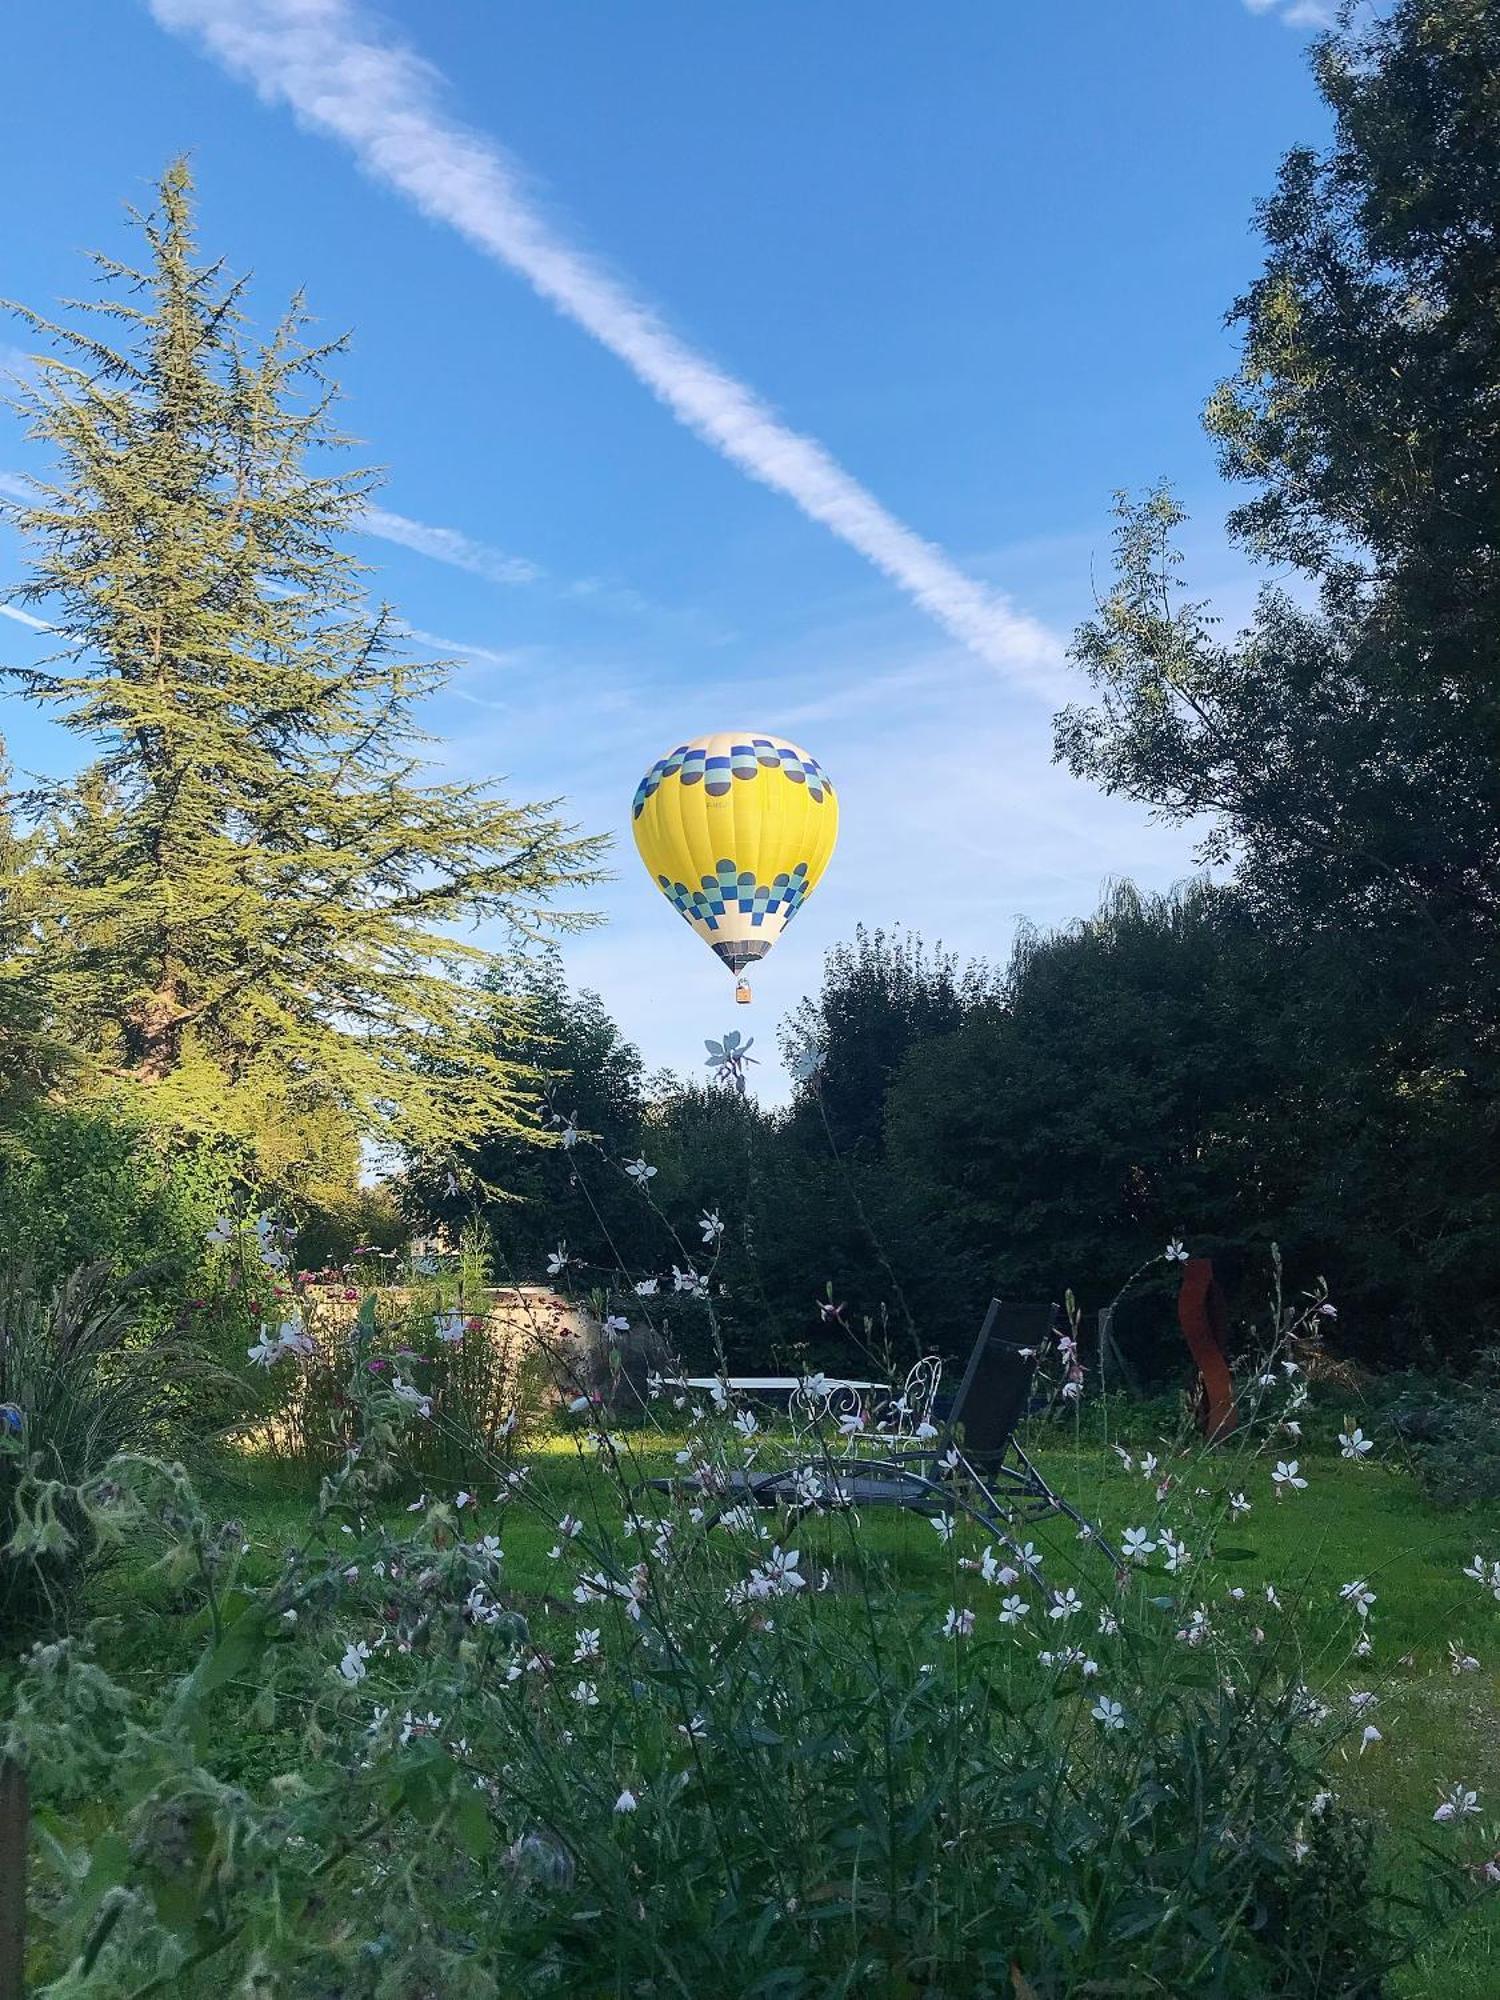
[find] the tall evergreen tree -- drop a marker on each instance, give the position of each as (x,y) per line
(30,1056)
(252,889)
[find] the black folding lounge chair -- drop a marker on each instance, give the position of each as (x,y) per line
(975,1464)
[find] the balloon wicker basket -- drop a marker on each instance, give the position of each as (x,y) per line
(742,992)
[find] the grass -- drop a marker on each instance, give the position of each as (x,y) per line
(1352,1521)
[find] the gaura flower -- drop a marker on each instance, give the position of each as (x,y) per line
(1458,1802)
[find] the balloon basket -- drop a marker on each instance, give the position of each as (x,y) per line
(742,992)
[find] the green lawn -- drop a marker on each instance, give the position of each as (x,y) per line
(1351,1521)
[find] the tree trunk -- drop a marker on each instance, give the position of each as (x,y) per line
(15,1818)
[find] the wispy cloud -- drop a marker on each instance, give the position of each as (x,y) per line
(459,649)
(14,487)
(342,77)
(448,545)
(1298,13)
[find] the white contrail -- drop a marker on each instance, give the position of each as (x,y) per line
(24,618)
(447,545)
(341,77)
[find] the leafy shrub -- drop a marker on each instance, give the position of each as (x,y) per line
(96,1185)
(1452,1430)
(79,1383)
(710,1760)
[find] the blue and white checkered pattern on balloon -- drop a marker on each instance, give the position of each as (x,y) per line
(716,774)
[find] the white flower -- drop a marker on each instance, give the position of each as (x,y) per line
(1328,1311)
(1109,1625)
(943,1524)
(222,1231)
(958,1624)
(1359,1594)
(639,1172)
(853,1423)
(804,1063)
(1029,1556)
(1071,1656)
(646,1287)
(1369,1735)
(558,1261)
(777,1576)
(745,1423)
(1360,1699)
(292,1338)
(1461,1662)
(405,1393)
(267,1351)
(586,1694)
(1174,1252)
(689,1281)
(1013,1609)
(1353,1444)
(569,1134)
(449,1326)
(352,1665)
(712,1225)
(1457,1803)
(1238,1504)
(1138,1545)
(1149,1464)
(1286,1475)
(993,1570)
(1124,1457)
(463,1499)
(1177,1555)
(1065,1604)
(1108,1714)
(626,1802)
(1071,1391)
(615,1324)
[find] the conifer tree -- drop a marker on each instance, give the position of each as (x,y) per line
(254,899)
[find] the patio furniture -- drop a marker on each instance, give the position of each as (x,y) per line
(964,1458)
(778,1389)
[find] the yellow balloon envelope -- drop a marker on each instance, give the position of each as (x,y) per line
(736,831)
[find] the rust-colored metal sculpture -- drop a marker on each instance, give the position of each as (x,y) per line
(1204,1319)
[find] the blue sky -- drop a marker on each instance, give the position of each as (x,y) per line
(979,254)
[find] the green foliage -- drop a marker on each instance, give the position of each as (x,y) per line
(371,1768)
(1452,1431)
(1346,758)
(80,1381)
(882,994)
(95,1184)
(585,1075)
(246,907)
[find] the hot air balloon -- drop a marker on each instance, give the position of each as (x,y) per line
(736,831)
